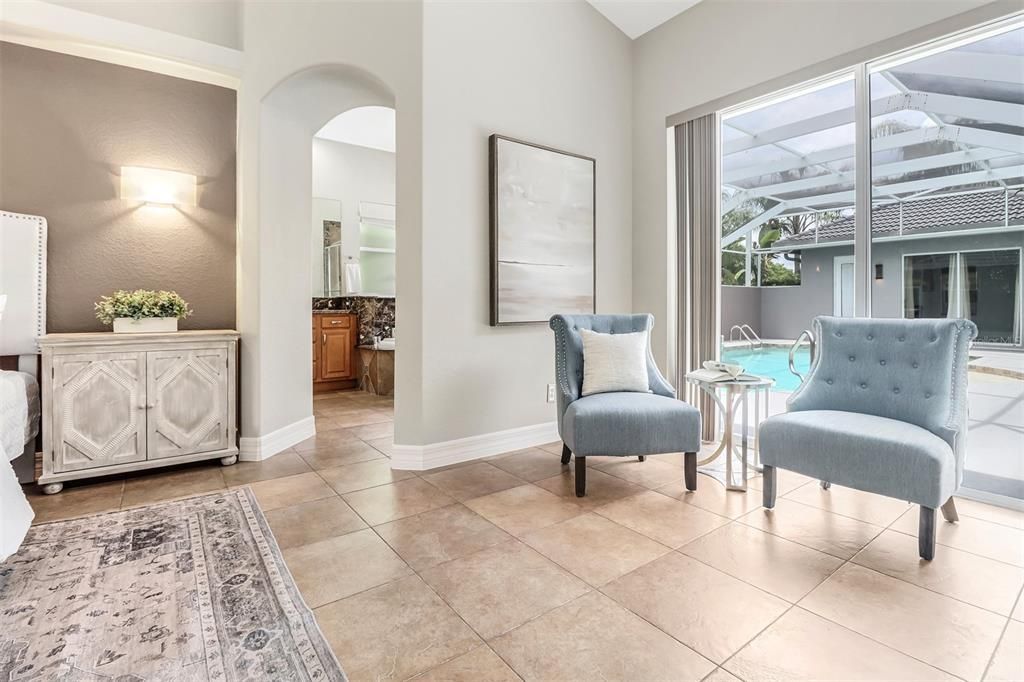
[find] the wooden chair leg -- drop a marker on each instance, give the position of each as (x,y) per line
(926,534)
(581,476)
(566,453)
(690,470)
(949,511)
(642,458)
(768,487)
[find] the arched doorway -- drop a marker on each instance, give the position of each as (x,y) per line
(277,356)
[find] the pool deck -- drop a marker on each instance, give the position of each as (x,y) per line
(1006,363)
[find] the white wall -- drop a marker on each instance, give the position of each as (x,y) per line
(304,64)
(714,49)
(213,21)
(350,174)
(554,73)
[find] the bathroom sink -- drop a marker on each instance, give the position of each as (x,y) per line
(386,344)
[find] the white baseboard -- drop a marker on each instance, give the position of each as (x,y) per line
(422,457)
(991,498)
(263,447)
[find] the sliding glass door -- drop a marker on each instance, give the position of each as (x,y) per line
(947,191)
(936,137)
(787,182)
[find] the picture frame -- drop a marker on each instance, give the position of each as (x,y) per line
(543,232)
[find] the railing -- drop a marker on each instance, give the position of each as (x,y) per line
(748,334)
(796,345)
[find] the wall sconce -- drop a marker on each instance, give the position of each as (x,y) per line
(878,272)
(156,186)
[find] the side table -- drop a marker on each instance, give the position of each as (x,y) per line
(732,397)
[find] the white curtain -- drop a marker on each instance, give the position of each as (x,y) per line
(955,285)
(698,253)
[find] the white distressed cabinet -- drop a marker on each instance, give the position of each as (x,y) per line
(114,403)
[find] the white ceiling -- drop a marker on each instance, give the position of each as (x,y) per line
(637,17)
(372,127)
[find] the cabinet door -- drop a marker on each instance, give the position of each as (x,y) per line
(99,410)
(336,353)
(187,390)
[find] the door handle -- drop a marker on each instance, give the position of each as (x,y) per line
(325,338)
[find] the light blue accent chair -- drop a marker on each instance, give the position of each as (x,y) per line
(621,424)
(883,409)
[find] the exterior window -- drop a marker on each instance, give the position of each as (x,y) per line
(981,286)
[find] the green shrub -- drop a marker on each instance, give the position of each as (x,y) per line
(141,303)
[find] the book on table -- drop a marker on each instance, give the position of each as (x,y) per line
(716,372)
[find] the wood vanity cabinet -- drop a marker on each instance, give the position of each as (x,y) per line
(334,351)
(114,403)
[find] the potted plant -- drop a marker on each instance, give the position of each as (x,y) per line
(142,311)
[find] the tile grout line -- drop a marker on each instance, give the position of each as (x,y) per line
(797,605)
(1002,635)
(729,520)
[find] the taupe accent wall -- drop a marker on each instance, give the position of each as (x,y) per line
(67,126)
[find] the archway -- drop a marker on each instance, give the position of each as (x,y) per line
(277,356)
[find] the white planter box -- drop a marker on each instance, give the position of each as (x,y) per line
(124,325)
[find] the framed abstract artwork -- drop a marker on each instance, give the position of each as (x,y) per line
(543,227)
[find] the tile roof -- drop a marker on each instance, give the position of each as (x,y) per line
(924,216)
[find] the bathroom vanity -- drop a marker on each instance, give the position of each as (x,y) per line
(335,335)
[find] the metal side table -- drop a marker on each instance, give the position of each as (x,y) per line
(732,397)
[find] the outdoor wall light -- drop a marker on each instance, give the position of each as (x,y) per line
(878,272)
(156,186)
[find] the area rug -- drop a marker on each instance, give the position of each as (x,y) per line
(194,589)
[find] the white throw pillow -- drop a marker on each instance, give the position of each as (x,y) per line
(614,362)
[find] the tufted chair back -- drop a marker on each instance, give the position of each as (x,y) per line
(913,371)
(569,352)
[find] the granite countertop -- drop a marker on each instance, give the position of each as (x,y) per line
(334,312)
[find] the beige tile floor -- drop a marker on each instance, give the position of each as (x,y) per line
(493,570)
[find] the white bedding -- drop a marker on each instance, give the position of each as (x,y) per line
(19,411)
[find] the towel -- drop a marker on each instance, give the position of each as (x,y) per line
(353,278)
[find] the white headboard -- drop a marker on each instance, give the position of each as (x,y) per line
(23,282)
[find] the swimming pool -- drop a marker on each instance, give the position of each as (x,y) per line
(771,361)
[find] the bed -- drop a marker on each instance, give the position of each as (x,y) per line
(22,322)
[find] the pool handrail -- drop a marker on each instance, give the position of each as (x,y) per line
(748,333)
(793,349)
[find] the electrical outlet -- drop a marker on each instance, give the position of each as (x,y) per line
(551,393)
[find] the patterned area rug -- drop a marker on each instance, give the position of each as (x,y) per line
(189,590)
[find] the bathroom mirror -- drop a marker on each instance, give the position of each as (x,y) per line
(326,254)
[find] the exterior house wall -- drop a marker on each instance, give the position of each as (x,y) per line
(786,311)
(741,305)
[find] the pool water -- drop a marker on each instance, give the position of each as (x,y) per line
(771,362)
